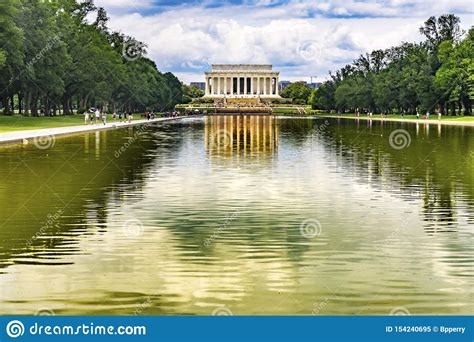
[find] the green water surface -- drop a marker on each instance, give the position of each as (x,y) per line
(241,215)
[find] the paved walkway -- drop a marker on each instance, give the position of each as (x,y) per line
(24,136)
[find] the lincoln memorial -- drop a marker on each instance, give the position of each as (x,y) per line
(242,81)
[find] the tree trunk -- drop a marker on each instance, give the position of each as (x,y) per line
(27,103)
(5,105)
(20,103)
(66,105)
(441,107)
(34,105)
(86,101)
(46,106)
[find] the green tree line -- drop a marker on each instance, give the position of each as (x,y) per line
(436,74)
(55,59)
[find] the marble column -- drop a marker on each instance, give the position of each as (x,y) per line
(245,85)
(219,85)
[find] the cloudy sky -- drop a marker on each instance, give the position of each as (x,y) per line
(301,38)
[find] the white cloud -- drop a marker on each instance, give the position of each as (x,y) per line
(127,4)
(186,39)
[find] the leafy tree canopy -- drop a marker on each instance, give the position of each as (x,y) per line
(436,74)
(52,58)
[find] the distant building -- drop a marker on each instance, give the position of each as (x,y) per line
(242,81)
(200,85)
(314,85)
(284,84)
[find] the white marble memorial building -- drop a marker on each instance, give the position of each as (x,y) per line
(242,81)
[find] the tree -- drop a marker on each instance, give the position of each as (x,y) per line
(298,91)
(437,30)
(324,97)
(3,58)
(193,92)
(453,77)
(54,54)
(11,52)
(432,75)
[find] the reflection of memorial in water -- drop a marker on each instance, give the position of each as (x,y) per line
(250,136)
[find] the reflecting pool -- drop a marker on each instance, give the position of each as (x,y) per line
(242,215)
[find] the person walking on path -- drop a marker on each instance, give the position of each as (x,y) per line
(97,116)
(130,117)
(104,117)
(86,118)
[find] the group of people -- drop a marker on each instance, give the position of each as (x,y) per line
(149,115)
(94,117)
(126,117)
(425,116)
(171,114)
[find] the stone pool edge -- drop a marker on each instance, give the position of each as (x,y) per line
(23,137)
(420,121)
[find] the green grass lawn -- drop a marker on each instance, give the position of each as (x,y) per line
(22,123)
